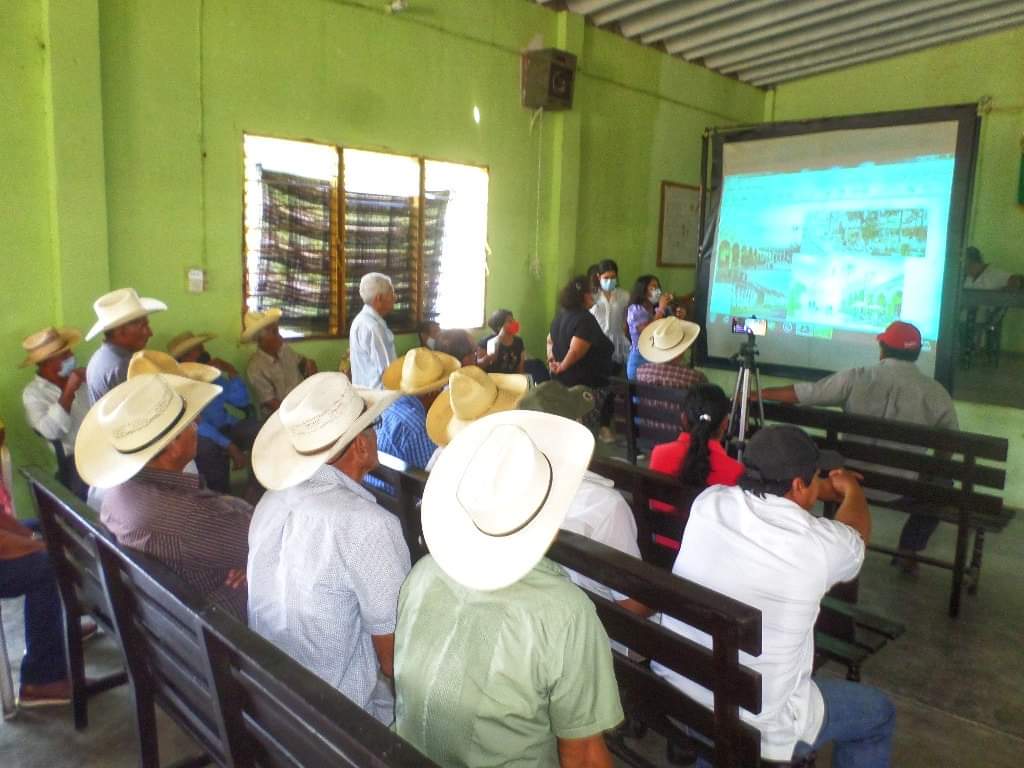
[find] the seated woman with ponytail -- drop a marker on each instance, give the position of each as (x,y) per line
(697,457)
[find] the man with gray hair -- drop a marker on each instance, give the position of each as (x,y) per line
(371,344)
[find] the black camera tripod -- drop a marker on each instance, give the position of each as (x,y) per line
(739,414)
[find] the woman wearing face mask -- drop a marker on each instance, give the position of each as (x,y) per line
(580,352)
(647,303)
(428,331)
(503,351)
(55,400)
(610,302)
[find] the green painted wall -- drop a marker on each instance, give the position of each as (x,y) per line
(958,73)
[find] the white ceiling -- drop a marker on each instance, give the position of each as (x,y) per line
(767,42)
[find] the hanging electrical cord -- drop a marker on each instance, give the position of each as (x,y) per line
(537,120)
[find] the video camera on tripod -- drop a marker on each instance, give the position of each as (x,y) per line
(746,358)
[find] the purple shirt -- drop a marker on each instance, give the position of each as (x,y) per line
(637,316)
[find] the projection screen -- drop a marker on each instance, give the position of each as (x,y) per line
(830,230)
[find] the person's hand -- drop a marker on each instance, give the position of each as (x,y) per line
(839,484)
(236,578)
(237,456)
(664,301)
(75,380)
(13,546)
(224,366)
(309,367)
(271,405)
(554,366)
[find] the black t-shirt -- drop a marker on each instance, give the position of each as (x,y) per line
(507,360)
(593,368)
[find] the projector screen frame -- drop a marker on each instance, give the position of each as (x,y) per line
(968,127)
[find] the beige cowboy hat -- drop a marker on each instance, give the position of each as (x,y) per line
(667,338)
(472,394)
(187,341)
(133,422)
(418,371)
(315,422)
(254,322)
(499,492)
(47,343)
(119,307)
(153,361)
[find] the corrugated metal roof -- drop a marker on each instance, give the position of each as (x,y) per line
(767,42)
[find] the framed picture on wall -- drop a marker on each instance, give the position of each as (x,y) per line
(678,225)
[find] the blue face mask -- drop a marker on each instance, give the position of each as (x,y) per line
(67,367)
(609,283)
(431,343)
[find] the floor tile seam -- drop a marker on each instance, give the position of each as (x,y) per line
(954,715)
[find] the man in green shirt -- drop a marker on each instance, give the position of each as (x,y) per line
(499,659)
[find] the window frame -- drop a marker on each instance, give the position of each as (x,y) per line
(339,322)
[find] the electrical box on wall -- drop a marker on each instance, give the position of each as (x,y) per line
(548,76)
(196,280)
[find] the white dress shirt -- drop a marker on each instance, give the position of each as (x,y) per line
(371,348)
(611,316)
(325,566)
(991,279)
(773,555)
(47,416)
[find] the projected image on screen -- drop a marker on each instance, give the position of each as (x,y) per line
(831,237)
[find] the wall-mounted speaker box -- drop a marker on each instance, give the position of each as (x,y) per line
(548,76)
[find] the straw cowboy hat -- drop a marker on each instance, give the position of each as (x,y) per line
(120,307)
(47,343)
(554,397)
(418,371)
(472,394)
(184,342)
(667,339)
(133,422)
(254,322)
(154,361)
(499,492)
(315,422)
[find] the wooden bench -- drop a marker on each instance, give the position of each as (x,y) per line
(244,701)
(952,455)
(78,581)
(650,702)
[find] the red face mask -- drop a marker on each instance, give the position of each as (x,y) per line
(512,327)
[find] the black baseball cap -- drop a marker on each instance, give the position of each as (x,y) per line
(780,453)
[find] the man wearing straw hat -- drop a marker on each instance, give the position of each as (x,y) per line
(419,376)
(274,369)
(498,656)
(325,560)
(122,316)
(371,344)
(55,403)
(223,436)
(662,344)
(136,442)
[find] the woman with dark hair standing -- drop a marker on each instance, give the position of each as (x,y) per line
(580,352)
(609,309)
(646,303)
(697,457)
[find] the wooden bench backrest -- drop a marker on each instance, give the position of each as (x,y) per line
(279,714)
(733,626)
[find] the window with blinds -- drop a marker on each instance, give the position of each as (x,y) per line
(318,218)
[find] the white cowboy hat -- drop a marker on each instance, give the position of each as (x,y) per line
(133,422)
(47,343)
(667,338)
(186,341)
(418,371)
(254,322)
(120,307)
(472,394)
(315,422)
(499,492)
(154,361)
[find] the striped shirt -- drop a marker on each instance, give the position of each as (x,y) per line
(197,533)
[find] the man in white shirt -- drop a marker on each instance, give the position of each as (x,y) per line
(371,344)
(894,389)
(759,544)
(980,276)
(55,400)
(325,560)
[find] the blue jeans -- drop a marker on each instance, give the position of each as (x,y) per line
(916,532)
(32,576)
(634,361)
(859,721)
